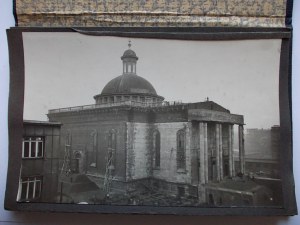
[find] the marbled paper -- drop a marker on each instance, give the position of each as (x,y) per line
(148,13)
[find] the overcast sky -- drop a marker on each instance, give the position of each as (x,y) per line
(68,69)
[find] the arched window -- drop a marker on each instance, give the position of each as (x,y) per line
(92,153)
(181,150)
(112,144)
(76,162)
(156,149)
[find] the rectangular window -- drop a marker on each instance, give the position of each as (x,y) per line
(30,188)
(33,147)
(181,191)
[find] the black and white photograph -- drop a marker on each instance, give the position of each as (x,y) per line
(150,122)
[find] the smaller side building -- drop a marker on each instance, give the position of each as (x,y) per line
(262,158)
(40,162)
(262,161)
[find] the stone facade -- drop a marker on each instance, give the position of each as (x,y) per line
(207,145)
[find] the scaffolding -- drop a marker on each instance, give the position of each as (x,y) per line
(109,168)
(66,166)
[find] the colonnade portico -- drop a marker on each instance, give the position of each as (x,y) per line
(203,154)
(203,151)
(215,131)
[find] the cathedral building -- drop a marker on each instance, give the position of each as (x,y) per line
(131,141)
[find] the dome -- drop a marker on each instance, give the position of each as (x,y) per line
(129,54)
(128,84)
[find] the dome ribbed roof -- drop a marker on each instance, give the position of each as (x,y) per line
(128,84)
(129,54)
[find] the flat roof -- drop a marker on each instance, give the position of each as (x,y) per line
(43,123)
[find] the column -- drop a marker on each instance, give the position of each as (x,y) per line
(217,132)
(230,151)
(221,152)
(205,153)
(203,169)
(241,149)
